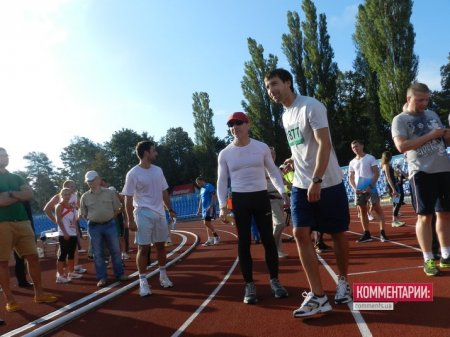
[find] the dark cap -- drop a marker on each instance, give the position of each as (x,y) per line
(238,116)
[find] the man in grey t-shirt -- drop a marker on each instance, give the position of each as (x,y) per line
(421,135)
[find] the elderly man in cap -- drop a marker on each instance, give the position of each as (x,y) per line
(100,206)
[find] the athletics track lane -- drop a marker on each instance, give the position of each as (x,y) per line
(200,272)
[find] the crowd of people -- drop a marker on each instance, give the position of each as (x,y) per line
(307,192)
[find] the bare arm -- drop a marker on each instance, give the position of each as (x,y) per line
(50,207)
(59,222)
(167,204)
(387,172)
(129,208)
(351,179)
(322,137)
(403,144)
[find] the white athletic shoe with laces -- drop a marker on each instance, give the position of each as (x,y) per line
(144,288)
(208,242)
(343,294)
(165,282)
(312,305)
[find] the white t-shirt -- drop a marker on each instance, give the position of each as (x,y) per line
(305,115)
(246,166)
(146,186)
(363,171)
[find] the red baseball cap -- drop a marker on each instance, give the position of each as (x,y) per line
(238,116)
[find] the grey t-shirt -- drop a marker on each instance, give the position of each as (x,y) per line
(432,156)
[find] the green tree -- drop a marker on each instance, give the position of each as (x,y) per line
(83,155)
(385,36)
(40,175)
(175,157)
(264,114)
(205,149)
(121,149)
(292,46)
(441,99)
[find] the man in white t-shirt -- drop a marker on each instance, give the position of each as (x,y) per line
(146,195)
(363,175)
(318,198)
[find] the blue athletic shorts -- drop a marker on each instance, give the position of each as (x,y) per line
(329,215)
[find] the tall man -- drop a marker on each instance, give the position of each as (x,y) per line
(244,162)
(420,134)
(100,206)
(16,233)
(318,198)
(206,205)
(363,175)
(146,194)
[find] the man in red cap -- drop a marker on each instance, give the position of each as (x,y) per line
(245,162)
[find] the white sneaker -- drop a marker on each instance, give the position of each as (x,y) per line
(397,223)
(282,254)
(62,279)
(312,305)
(208,242)
(144,288)
(74,275)
(370,216)
(79,269)
(216,240)
(165,282)
(343,294)
(125,256)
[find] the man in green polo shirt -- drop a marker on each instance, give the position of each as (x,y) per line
(16,233)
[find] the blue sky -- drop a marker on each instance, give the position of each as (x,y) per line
(89,68)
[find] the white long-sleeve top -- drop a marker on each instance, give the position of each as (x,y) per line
(246,167)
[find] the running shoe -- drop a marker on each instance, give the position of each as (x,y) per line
(74,275)
(101,283)
(45,298)
(165,282)
(343,294)
(79,269)
(250,293)
(320,247)
(62,279)
(125,256)
(278,290)
(144,288)
(397,223)
(370,216)
(445,263)
(12,306)
(282,254)
(208,242)
(312,305)
(383,237)
(216,240)
(430,269)
(366,237)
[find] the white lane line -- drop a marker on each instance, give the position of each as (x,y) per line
(384,270)
(360,322)
(197,312)
(63,320)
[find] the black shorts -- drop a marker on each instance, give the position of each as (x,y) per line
(329,215)
(430,192)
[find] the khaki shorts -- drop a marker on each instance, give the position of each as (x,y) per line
(362,199)
(17,235)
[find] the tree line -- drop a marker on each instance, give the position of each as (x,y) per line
(361,102)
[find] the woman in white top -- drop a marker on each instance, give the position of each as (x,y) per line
(66,218)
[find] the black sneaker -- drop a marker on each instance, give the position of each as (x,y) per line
(250,293)
(383,237)
(277,289)
(366,237)
(320,247)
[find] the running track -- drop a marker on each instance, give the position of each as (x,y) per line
(207,297)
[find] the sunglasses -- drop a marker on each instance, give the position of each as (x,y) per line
(233,123)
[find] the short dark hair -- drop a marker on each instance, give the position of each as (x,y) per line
(359,141)
(417,87)
(143,146)
(282,74)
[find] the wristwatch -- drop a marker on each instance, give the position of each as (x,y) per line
(317,180)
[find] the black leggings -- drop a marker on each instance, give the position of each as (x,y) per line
(256,205)
(67,248)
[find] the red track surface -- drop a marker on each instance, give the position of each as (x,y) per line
(206,303)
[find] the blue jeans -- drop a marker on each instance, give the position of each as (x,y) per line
(101,234)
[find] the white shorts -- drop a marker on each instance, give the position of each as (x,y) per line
(151,227)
